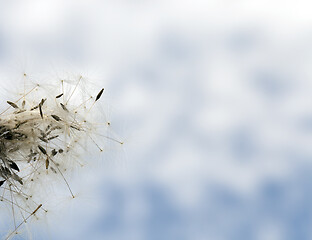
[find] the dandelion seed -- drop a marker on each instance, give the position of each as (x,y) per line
(74,127)
(50,138)
(42,150)
(12,104)
(13,165)
(63,106)
(99,94)
(57,118)
(40,110)
(34,108)
(54,152)
(47,163)
(60,95)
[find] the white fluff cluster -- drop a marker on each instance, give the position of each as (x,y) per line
(42,134)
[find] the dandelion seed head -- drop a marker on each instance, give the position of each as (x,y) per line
(47,131)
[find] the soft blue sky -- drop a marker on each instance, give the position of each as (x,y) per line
(212,98)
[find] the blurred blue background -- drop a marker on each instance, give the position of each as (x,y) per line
(213,100)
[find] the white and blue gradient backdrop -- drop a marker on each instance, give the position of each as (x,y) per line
(213,100)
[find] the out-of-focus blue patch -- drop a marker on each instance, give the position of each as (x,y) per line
(175,47)
(273,195)
(113,220)
(241,42)
(227,213)
(286,204)
(222,213)
(165,220)
(242,144)
(271,84)
(304,123)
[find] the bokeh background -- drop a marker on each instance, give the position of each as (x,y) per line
(213,100)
